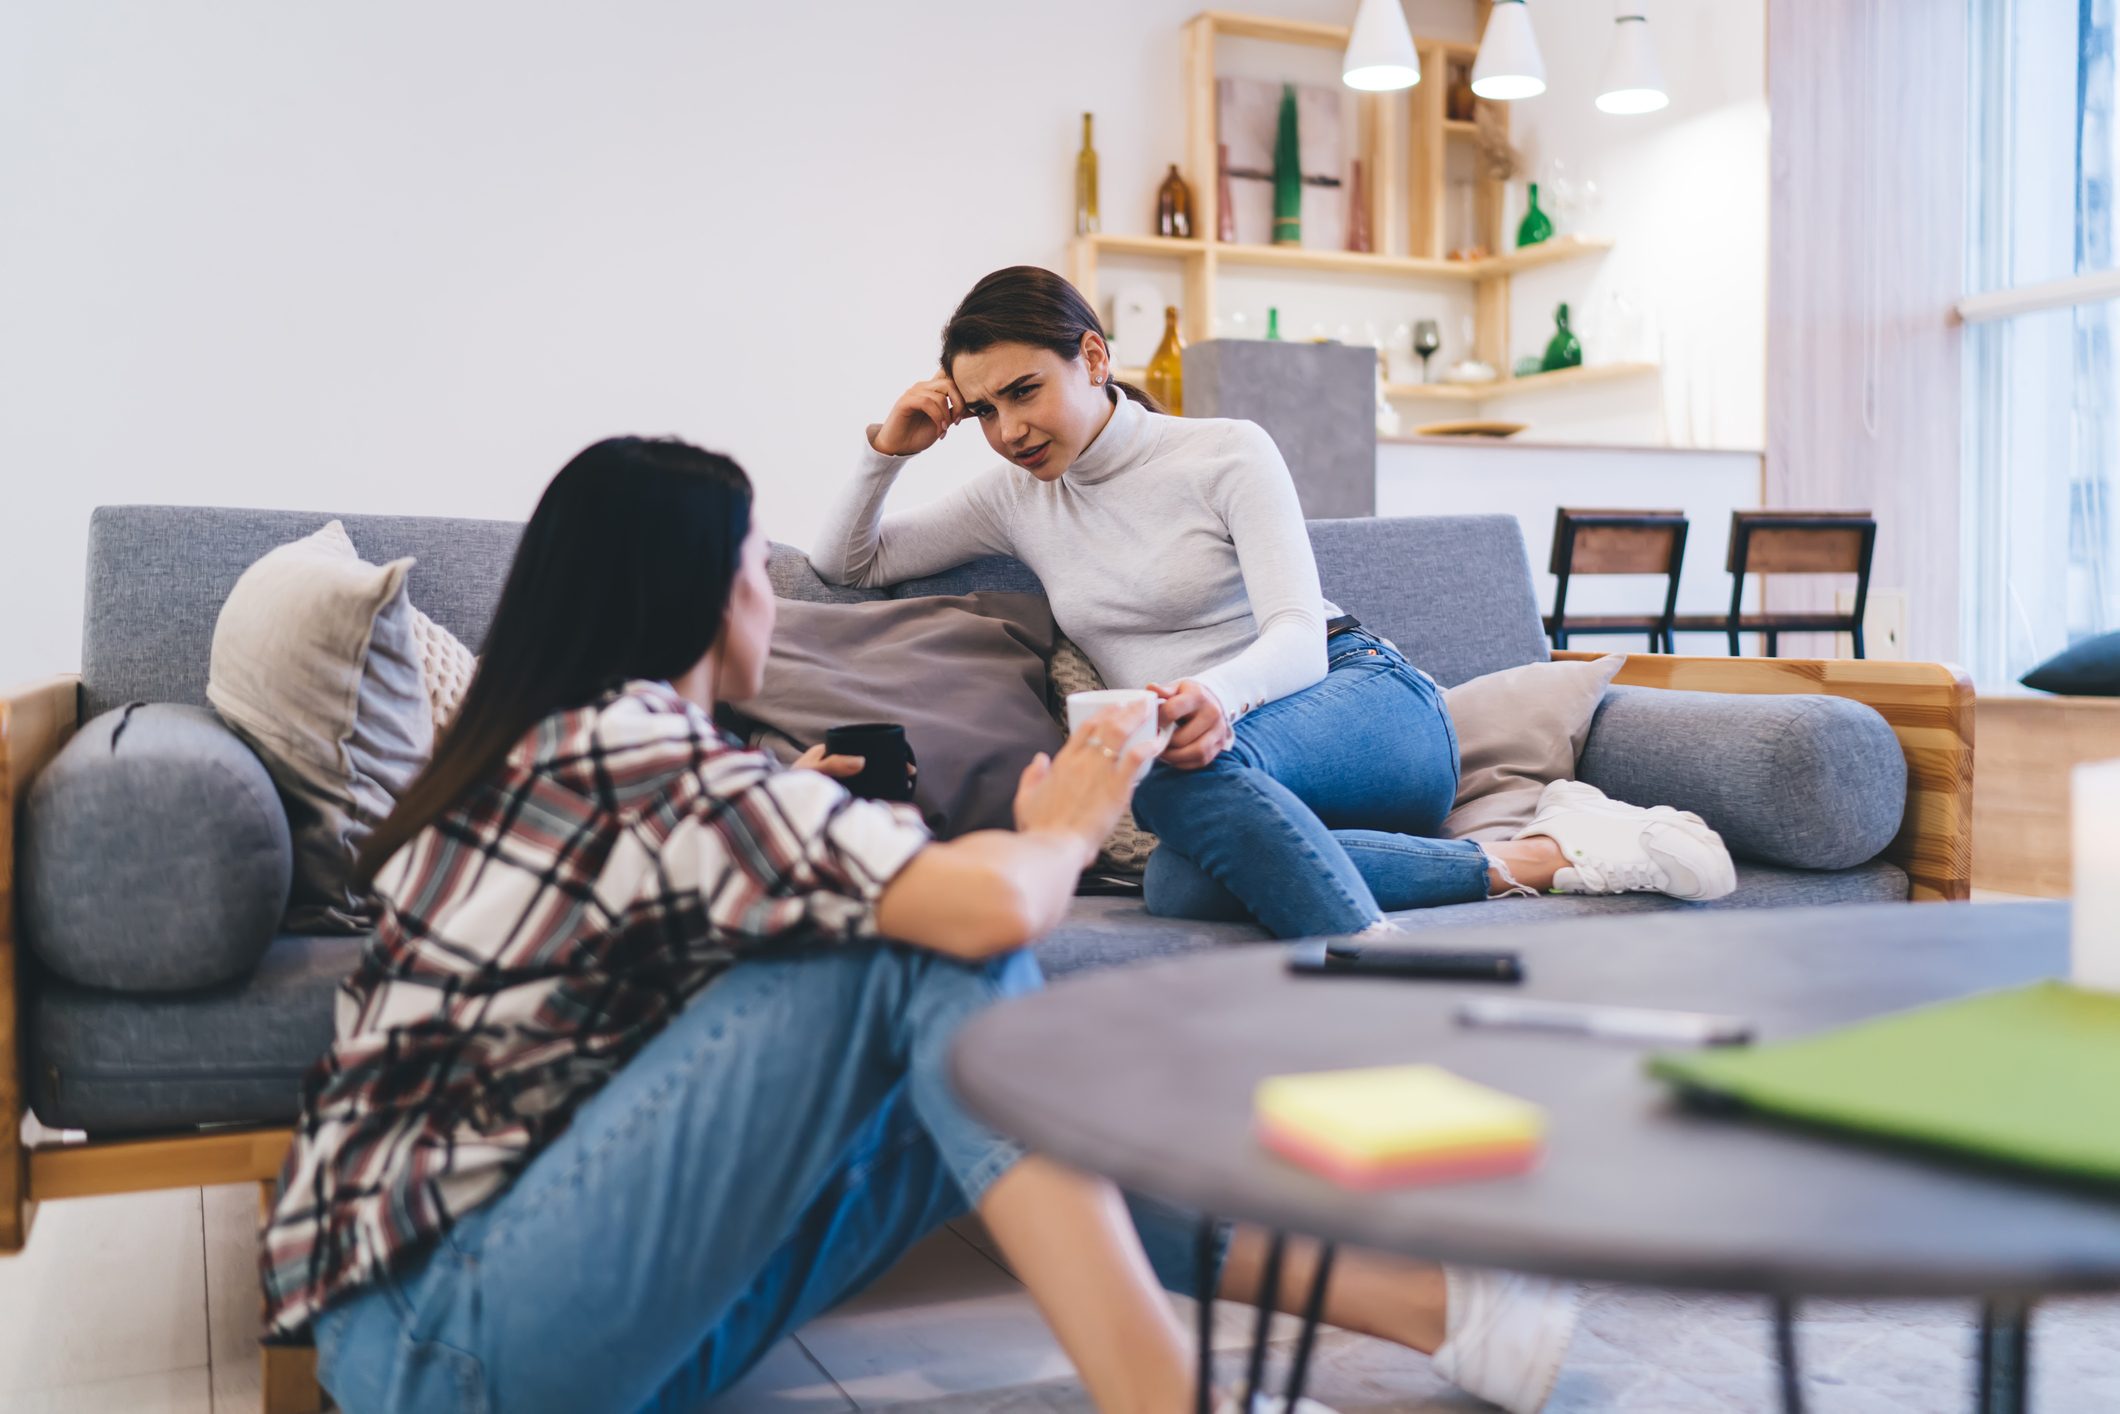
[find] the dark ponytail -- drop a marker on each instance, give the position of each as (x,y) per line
(1027,305)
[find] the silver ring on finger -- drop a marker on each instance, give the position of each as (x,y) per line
(1109,754)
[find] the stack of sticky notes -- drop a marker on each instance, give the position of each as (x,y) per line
(1396,1125)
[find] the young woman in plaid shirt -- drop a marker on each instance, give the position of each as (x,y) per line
(625,1087)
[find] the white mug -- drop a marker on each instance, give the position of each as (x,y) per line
(1082,706)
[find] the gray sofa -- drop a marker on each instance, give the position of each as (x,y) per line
(1785,777)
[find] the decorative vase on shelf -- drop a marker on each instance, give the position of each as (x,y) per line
(1225,208)
(1459,98)
(1086,183)
(1166,370)
(1287,174)
(1358,212)
(1536,225)
(1563,351)
(1174,206)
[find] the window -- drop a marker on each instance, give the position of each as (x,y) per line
(2041,542)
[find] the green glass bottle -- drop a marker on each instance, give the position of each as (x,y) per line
(1564,351)
(1287,174)
(1536,225)
(1273,322)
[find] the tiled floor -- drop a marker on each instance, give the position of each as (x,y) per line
(147,1305)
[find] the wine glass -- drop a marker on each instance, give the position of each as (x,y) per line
(1427,338)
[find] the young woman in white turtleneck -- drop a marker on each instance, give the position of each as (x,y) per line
(1310,766)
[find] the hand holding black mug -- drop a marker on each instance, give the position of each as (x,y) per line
(888,767)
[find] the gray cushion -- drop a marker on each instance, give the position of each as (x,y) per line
(114,1064)
(1102,932)
(158,575)
(122,886)
(1812,782)
(789,569)
(1453,592)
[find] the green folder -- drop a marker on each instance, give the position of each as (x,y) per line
(2028,1076)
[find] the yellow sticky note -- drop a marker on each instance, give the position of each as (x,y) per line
(1395,1112)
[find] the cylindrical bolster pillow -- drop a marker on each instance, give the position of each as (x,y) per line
(155,854)
(1807,782)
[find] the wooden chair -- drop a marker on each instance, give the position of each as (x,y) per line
(1616,542)
(1793,542)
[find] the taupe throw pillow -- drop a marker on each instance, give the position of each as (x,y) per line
(316,664)
(964,674)
(1518,730)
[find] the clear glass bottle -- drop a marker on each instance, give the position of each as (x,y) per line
(1166,370)
(1086,223)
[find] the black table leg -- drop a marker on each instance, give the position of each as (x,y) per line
(1269,1292)
(1785,1355)
(1313,1308)
(2005,1357)
(1204,1281)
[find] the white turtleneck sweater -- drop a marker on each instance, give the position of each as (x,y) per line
(1173,548)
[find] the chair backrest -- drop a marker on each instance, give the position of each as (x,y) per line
(1617,541)
(1801,542)
(1454,592)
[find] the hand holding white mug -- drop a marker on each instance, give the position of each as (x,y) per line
(922,416)
(1201,729)
(1082,791)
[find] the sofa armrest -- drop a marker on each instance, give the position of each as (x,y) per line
(1929,707)
(35,721)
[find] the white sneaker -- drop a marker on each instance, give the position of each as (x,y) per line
(1615,848)
(1505,1335)
(1272,1404)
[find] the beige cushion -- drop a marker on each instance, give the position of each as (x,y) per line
(446,666)
(1518,730)
(317,666)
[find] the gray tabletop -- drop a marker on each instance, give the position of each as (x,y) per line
(1145,1074)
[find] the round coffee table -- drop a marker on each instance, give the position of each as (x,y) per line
(1145,1074)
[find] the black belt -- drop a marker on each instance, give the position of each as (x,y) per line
(1341,625)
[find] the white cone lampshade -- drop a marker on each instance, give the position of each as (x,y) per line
(1380,55)
(1633,82)
(1509,64)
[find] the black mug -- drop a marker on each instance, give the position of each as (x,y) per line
(887,769)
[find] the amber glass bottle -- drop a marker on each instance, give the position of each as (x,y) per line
(1166,371)
(1086,183)
(1174,206)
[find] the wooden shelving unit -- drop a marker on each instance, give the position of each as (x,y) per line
(1513,387)
(1404,138)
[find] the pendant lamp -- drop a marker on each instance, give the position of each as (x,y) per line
(1509,65)
(1633,83)
(1380,54)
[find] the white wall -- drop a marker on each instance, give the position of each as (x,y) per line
(1683,192)
(409,257)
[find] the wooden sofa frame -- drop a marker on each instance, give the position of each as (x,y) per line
(1929,707)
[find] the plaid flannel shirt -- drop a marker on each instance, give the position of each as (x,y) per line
(529,943)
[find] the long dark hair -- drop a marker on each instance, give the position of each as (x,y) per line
(624,571)
(1027,305)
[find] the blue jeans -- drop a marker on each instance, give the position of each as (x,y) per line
(771,1152)
(1320,817)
